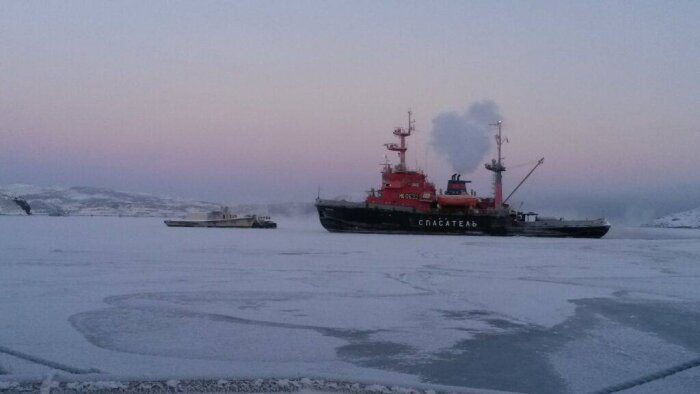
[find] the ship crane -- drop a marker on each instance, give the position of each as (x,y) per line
(539,162)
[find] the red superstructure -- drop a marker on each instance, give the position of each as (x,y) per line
(402,187)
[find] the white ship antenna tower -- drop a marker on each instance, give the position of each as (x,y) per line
(401,147)
(498,168)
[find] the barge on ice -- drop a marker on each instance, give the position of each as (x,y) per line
(223,218)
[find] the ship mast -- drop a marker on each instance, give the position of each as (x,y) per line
(401,147)
(498,168)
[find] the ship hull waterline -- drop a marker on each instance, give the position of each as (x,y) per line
(351,217)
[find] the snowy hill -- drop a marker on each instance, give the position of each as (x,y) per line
(685,219)
(279,209)
(86,201)
(94,201)
(8,206)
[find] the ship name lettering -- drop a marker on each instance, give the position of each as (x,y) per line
(446,223)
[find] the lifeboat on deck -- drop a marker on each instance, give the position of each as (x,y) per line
(459,200)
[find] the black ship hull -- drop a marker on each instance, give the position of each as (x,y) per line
(342,216)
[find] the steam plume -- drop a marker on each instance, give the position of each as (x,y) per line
(465,139)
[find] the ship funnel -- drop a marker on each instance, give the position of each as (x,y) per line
(456,186)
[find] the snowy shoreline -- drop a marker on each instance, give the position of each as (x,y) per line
(686,219)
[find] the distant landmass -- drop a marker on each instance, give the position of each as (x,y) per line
(12,205)
(685,219)
(95,201)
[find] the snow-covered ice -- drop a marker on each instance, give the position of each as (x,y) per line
(121,299)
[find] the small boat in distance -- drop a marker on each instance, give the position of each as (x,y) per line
(222,218)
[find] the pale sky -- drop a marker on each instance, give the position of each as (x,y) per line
(267,100)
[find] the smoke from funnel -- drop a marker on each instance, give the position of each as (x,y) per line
(465,139)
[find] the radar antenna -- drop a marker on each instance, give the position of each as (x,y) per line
(401,147)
